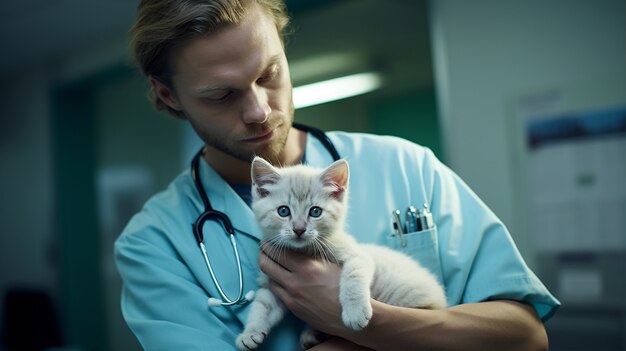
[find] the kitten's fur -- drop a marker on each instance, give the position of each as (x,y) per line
(367,270)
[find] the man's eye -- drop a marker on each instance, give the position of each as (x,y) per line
(219,96)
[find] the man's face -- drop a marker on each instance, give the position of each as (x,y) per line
(234,88)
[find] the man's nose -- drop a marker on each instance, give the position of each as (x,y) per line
(256,108)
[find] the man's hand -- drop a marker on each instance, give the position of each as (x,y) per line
(308,287)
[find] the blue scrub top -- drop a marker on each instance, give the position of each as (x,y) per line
(167,283)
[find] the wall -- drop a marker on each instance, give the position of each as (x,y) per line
(27,254)
(488,53)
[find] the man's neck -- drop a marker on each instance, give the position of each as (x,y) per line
(236,171)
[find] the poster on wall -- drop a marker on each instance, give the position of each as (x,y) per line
(576,159)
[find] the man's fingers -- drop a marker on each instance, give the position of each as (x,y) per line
(289,259)
(280,292)
(278,277)
(273,269)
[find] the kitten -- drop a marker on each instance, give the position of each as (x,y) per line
(303,209)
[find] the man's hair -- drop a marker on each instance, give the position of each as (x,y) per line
(163,25)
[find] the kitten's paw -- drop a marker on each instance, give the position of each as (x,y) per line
(311,337)
(357,318)
(250,339)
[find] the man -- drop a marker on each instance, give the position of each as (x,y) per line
(221,66)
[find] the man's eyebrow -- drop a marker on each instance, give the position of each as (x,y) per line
(210,88)
(272,61)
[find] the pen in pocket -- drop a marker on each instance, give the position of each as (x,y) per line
(410,219)
(425,218)
(397,226)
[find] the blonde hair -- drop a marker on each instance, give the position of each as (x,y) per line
(162,25)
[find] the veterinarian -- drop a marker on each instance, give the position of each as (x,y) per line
(220,65)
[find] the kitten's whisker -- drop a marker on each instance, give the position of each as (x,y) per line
(267,244)
(328,251)
(319,247)
(275,246)
(272,246)
(323,251)
(277,250)
(267,241)
(316,249)
(284,249)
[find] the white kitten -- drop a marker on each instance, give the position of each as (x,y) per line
(303,209)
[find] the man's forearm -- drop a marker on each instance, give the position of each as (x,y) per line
(338,344)
(493,325)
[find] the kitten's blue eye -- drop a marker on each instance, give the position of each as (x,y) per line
(283,211)
(315,212)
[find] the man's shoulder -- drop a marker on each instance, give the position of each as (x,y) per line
(169,207)
(371,145)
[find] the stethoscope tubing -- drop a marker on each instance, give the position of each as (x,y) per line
(225,297)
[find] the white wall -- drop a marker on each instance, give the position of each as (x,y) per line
(488,54)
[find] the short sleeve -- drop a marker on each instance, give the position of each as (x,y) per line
(479,258)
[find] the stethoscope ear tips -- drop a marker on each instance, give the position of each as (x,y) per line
(213,302)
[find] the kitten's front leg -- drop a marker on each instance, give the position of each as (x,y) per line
(354,291)
(265,312)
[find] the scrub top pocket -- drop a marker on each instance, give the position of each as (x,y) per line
(422,246)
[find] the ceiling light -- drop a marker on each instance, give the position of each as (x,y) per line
(335,89)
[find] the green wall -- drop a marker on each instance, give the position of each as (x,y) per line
(74,144)
(411,115)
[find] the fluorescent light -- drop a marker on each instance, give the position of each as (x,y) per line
(335,89)
(327,65)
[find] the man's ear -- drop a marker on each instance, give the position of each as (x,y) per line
(165,94)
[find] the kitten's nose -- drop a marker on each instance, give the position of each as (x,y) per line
(298,231)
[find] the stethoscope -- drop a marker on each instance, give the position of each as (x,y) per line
(211,214)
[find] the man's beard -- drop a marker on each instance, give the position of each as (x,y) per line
(271,152)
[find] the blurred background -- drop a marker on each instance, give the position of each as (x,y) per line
(525,100)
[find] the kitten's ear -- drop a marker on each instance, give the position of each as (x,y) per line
(336,176)
(263,173)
